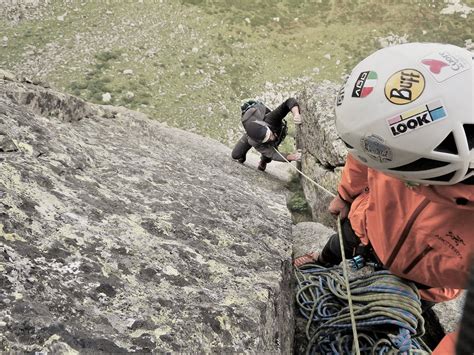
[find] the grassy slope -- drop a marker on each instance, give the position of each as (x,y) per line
(194,60)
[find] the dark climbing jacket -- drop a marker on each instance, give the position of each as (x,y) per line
(255,121)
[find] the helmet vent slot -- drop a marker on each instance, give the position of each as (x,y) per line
(469,180)
(446,177)
(421,164)
(469,130)
(448,145)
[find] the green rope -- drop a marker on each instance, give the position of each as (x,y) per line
(383,304)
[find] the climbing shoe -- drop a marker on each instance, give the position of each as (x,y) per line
(310,258)
(241,160)
(262,165)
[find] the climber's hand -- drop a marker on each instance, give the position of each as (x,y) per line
(339,207)
(296,156)
(297,119)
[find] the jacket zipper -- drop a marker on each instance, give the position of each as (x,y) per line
(405,232)
(418,259)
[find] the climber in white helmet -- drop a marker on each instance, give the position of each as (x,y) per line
(406,116)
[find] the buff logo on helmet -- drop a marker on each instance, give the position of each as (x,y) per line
(365,84)
(419,117)
(376,148)
(404,86)
(445,65)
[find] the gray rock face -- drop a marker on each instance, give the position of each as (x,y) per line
(120,234)
(324,153)
(318,135)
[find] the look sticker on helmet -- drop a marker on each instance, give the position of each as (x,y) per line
(404,86)
(416,118)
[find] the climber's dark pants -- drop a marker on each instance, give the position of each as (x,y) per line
(332,251)
(241,148)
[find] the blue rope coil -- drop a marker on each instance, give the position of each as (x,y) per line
(387,310)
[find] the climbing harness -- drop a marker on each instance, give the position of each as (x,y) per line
(283,132)
(360,261)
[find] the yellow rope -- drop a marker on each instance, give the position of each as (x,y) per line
(348,288)
(303,174)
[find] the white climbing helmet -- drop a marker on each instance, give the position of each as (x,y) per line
(407,110)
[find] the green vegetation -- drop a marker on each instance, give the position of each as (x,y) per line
(102,78)
(296,201)
(189,63)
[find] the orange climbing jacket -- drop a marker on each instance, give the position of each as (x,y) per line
(447,346)
(422,233)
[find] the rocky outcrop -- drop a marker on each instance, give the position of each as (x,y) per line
(120,234)
(323,152)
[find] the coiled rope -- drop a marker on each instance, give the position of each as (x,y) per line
(386,308)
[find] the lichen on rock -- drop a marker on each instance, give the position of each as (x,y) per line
(120,234)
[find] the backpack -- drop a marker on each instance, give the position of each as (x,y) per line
(247,104)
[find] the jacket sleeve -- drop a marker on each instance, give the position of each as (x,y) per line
(268,151)
(354,179)
(291,102)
